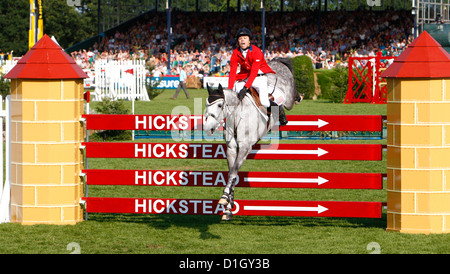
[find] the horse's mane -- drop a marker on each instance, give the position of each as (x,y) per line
(234,97)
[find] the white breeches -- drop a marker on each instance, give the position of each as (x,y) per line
(260,84)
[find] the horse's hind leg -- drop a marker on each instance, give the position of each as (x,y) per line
(227,200)
(228,192)
(227,214)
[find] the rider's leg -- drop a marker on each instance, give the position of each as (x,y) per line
(260,84)
(281,114)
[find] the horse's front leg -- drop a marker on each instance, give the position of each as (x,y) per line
(231,158)
(231,148)
(227,198)
(243,150)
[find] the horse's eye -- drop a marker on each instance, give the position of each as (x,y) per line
(220,105)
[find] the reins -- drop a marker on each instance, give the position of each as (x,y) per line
(225,105)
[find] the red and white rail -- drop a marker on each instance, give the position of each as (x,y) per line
(366,152)
(241,207)
(195,122)
(245,179)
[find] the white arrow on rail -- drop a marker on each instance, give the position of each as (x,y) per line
(319,123)
(317,208)
(319,152)
(319,180)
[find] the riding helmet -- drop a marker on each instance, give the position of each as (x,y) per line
(244,32)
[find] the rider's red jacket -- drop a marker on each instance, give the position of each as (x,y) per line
(250,66)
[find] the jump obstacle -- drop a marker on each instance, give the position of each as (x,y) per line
(371,152)
(365,84)
(194,122)
(46,136)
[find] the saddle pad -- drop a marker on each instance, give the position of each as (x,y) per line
(254,97)
(278,97)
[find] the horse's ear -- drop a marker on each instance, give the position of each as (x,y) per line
(208,88)
(220,88)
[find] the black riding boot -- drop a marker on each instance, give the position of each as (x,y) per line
(281,115)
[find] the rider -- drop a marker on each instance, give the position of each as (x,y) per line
(253,68)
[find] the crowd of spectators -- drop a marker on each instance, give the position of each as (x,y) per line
(203,42)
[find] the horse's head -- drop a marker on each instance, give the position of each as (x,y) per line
(214,109)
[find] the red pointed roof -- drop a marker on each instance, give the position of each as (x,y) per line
(46,60)
(423,58)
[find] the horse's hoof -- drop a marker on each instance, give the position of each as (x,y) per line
(223,201)
(227,216)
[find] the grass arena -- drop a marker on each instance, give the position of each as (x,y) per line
(382,194)
(207,234)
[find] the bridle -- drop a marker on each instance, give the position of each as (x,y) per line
(225,108)
(216,101)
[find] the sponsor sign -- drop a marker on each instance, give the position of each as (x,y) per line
(241,207)
(166,82)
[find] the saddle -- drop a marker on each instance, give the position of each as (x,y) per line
(265,111)
(255,96)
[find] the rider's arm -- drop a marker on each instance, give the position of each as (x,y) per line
(257,58)
(233,69)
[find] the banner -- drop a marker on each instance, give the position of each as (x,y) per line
(215,81)
(166,82)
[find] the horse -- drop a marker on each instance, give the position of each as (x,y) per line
(245,124)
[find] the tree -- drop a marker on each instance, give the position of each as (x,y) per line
(304,75)
(5,86)
(14,25)
(66,23)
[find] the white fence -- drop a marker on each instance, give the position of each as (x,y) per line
(120,80)
(5,181)
(7,66)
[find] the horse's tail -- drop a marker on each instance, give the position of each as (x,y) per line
(285,61)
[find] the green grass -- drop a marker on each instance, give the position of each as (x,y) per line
(189,234)
(196,104)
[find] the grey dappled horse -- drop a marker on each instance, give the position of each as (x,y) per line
(245,125)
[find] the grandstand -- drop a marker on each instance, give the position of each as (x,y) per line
(202,31)
(434,17)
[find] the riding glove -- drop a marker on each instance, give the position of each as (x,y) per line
(242,93)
